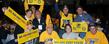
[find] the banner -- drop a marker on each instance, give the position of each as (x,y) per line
(63,41)
(27,36)
(35,2)
(79,27)
(16,17)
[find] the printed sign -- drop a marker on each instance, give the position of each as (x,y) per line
(27,36)
(79,27)
(16,17)
(63,41)
(35,2)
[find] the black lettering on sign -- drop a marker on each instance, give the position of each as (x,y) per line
(28,34)
(17,16)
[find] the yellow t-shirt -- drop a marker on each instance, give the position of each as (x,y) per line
(98,38)
(44,36)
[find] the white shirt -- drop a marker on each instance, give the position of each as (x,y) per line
(39,20)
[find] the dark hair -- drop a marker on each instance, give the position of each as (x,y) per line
(37,11)
(29,10)
(69,26)
(80,7)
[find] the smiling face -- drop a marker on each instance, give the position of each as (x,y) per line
(49,29)
(68,29)
(38,14)
(12,28)
(29,13)
(65,10)
(93,29)
(79,10)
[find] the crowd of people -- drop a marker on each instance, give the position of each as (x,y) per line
(52,30)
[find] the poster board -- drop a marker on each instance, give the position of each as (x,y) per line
(35,2)
(27,36)
(63,41)
(16,17)
(79,27)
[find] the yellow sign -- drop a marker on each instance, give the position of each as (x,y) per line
(16,17)
(63,41)
(35,2)
(27,36)
(79,27)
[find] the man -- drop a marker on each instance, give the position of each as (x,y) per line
(83,16)
(95,37)
(48,34)
(11,36)
(66,17)
(39,22)
(4,31)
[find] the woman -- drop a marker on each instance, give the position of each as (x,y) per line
(69,34)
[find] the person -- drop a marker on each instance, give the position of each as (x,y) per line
(10,39)
(66,17)
(95,37)
(83,16)
(69,34)
(4,31)
(39,22)
(28,15)
(48,34)
(11,36)
(29,25)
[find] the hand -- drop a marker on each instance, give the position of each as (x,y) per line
(88,22)
(16,40)
(39,31)
(4,9)
(84,12)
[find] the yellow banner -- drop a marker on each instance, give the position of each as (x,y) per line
(16,17)
(35,2)
(63,41)
(27,36)
(79,27)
